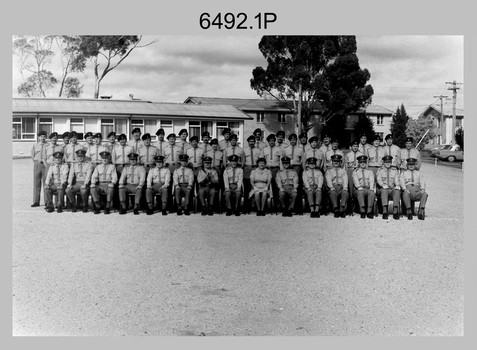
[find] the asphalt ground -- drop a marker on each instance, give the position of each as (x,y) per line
(80,274)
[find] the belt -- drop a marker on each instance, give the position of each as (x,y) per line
(105,182)
(184,184)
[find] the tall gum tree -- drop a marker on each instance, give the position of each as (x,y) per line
(319,74)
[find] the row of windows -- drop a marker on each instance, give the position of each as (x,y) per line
(281,117)
(24,128)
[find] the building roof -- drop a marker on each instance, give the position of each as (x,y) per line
(256,104)
(125,107)
(447,110)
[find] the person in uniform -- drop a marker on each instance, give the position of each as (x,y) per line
(313,183)
(280,139)
(66,138)
(304,145)
(38,156)
(363,144)
(414,188)
(103,181)
(337,182)
(233,183)
(53,148)
(93,153)
(160,144)
(375,155)
(112,142)
(182,143)
(88,137)
(410,152)
(131,181)
(55,182)
(78,181)
(158,181)
(363,180)
(136,143)
(147,153)
(208,183)
(260,180)
(183,178)
(216,154)
(119,155)
(234,149)
(205,144)
(295,153)
(272,153)
(314,152)
(389,186)
(287,182)
(223,144)
(196,154)
(71,148)
(325,145)
(171,153)
(393,151)
(334,150)
(351,161)
(252,153)
(258,139)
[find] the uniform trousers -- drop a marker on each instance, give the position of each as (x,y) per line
(247,186)
(365,196)
(313,196)
(414,195)
(76,188)
(389,193)
(288,195)
(300,192)
(338,195)
(207,194)
(39,176)
(55,189)
(130,189)
(103,188)
(274,170)
(182,191)
(157,189)
(233,193)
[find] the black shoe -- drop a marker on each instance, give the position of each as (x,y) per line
(50,209)
(285,213)
(136,211)
(60,209)
(337,214)
(237,213)
(122,211)
(342,214)
(385,216)
(317,214)
(186,212)
(363,215)
(107,211)
(370,216)
(290,214)
(409,215)
(164,212)
(396,216)
(35,205)
(179,211)
(204,212)
(96,210)
(313,214)
(85,209)
(420,214)
(149,211)
(228,213)
(73,209)
(259,213)
(210,213)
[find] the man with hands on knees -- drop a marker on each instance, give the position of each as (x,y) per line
(103,181)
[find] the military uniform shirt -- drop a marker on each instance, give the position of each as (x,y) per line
(160,145)
(364,148)
(136,145)
(395,152)
(273,155)
(337,176)
(363,178)
(251,155)
(104,173)
(133,175)
(330,153)
(324,148)
(94,153)
(216,156)
(38,151)
(171,153)
(119,155)
(233,175)
(351,159)
(183,175)
(375,156)
(81,172)
(414,177)
(57,174)
(52,149)
(183,145)
(412,153)
(295,153)
(224,144)
(205,146)
(211,173)
(312,177)
(287,177)
(233,150)
(161,176)
(147,154)
(388,177)
(195,156)
(315,153)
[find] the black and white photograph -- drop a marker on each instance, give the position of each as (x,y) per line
(239,180)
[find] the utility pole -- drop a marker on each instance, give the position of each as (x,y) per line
(300,96)
(454,88)
(441,123)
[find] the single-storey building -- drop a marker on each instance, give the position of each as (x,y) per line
(271,115)
(30,115)
(443,124)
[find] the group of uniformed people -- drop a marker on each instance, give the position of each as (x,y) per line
(295,175)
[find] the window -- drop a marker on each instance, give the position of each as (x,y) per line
(380,120)
(194,128)
(77,124)
(168,127)
(260,117)
(380,134)
(23,128)
(150,126)
(107,125)
(137,123)
(281,117)
(234,126)
(46,124)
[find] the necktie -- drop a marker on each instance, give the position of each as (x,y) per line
(81,169)
(387,176)
(137,146)
(74,154)
(160,147)
(58,173)
(147,154)
(124,156)
(271,155)
(251,155)
(195,157)
(337,178)
(313,177)
(132,174)
(41,153)
(104,173)
(159,177)
(364,178)
(412,177)
(376,157)
(314,153)
(233,150)
(213,158)
(354,160)
(183,144)
(183,175)
(286,173)
(97,150)
(293,152)
(172,153)
(233,175)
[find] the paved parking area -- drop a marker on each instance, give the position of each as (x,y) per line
(77,274)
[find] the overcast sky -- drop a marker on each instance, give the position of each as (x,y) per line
(404,69)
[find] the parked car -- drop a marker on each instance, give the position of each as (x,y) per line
(450,153)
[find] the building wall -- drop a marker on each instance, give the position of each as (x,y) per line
(270,124)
